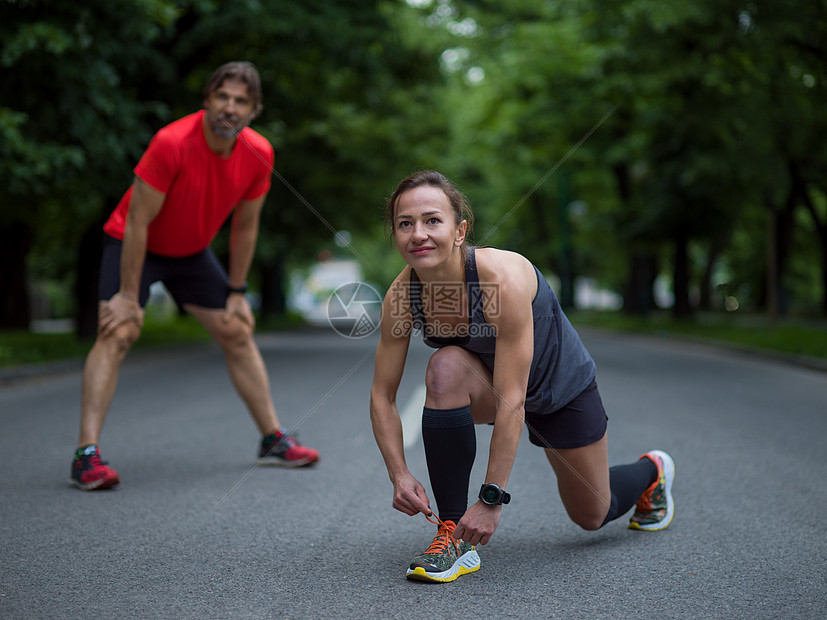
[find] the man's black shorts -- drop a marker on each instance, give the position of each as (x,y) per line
(580,423)
(199,279)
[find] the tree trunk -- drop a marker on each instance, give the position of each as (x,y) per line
(716,248)
(15,242)
(273,288)
(86,282)
(682,307)
(800,187)
(821,231)
(783,223)
(779,241)
(638,298)
(772,265)
(541,234)
(564,240)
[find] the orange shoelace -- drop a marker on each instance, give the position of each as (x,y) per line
(443,538)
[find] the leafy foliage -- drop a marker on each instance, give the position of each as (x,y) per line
(614,140)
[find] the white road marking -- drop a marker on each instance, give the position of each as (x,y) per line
(411,415)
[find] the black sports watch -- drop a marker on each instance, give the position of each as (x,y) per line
(493,495)
(237,289)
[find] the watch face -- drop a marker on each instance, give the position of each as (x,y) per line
(490,495)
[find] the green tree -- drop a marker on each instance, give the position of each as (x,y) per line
(714,112)
(335,77)
(340,82)
(71,118)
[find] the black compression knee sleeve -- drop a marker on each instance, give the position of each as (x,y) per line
(450,448)
(628,482)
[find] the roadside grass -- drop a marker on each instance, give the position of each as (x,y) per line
(789,336)
(801,336)
(18,348)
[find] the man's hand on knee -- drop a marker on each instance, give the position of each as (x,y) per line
(118,310)
(237,306)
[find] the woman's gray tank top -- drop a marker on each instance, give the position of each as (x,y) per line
(561,367)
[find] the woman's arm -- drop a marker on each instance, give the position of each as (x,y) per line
(515,286)
(409,495)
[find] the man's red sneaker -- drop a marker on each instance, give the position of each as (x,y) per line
(282,449)
(89,473)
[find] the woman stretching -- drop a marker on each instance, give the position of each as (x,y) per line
(506,355)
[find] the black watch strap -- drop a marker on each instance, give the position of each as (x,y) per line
(237,289)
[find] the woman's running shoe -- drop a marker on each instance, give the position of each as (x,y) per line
(655,508)
(446,559)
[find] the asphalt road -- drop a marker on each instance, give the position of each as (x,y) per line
(196,531)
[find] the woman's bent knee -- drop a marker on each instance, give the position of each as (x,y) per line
(590,521)
(590,525)
(446,371)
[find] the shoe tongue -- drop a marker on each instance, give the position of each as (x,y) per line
(89,450)
(440,543)
(281,435)
(446,531)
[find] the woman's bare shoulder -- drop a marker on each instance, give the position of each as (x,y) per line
(503,266)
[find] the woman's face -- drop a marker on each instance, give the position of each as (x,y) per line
(425,228)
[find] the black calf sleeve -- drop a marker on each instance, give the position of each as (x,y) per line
(450,448)
(628,483)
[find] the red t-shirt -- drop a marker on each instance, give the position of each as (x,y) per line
(201,187)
